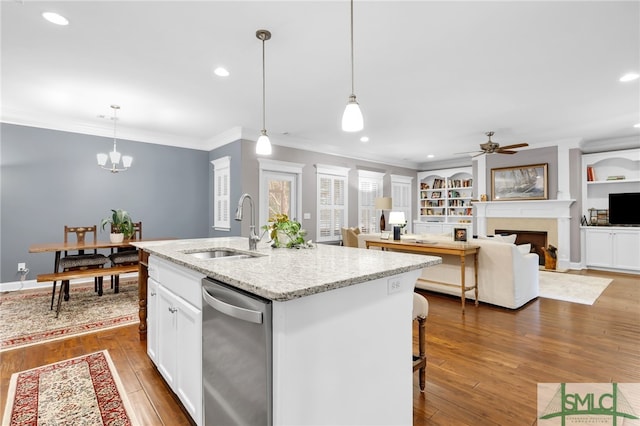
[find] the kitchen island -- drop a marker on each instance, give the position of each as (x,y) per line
(341,336)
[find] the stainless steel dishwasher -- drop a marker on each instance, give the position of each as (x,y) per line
(236,356)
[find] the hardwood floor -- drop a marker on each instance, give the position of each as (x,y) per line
(482,369)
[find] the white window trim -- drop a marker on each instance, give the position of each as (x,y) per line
(266,165)
(328,170)
(404,181)
(221,167)
(371,176)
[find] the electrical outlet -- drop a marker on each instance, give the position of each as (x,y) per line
(22,266)
(394,285)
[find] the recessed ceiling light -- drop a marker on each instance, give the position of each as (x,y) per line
(364,139)
(55,18)
(637,126)
(221,72)
(630,76)
(430,156)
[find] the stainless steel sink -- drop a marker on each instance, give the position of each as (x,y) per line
(220,253)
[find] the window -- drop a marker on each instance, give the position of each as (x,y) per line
(221,185)
(369,188)
(280,189)
(332,184)
(401,197)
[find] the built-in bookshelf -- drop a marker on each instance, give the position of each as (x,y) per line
(445,196)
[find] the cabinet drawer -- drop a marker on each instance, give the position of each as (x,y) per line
(183,282)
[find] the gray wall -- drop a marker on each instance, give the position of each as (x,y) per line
(250,174)
(50,179)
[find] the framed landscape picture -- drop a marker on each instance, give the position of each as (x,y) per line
(519,183)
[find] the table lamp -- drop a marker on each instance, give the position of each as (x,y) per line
(383,203)
(397,219)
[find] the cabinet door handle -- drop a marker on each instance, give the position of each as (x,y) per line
(173,310)
(153,293)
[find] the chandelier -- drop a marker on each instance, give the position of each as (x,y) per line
(114,155)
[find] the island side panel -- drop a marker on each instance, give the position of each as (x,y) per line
(345,356)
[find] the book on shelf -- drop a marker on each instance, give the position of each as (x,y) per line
(618,177)
(591,175)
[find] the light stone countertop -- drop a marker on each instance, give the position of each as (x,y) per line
(284,274)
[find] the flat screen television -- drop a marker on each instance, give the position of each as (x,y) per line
(623,209)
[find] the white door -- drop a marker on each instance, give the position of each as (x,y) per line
(279,195)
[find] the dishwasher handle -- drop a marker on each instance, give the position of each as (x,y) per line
(243,314)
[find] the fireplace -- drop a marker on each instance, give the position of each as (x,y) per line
(537,239)
(551,216)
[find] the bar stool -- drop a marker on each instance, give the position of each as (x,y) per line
(420,312)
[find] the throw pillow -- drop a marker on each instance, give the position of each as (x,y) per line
(509,239)
(524,248)
(355,230)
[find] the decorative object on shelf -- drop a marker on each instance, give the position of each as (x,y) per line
(263,146)
(287,233)
(398,220)
(491,147)
(519,183)
(352,120)
(114,155)
(483,197)
(550,257)
(383,203)
(121,223)
(460,234)
(599,217)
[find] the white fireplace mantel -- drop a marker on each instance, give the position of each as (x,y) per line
(526,209)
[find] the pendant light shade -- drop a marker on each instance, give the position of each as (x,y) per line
(352,120)
(263,146)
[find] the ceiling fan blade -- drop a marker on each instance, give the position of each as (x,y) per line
(517,145)
(467,152)
(478,154)
(502,151)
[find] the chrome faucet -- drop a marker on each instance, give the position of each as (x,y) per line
(253,235)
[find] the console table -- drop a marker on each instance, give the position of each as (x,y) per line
(449,248)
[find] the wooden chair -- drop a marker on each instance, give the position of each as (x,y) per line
(79,260)
(420,312)
(125,255)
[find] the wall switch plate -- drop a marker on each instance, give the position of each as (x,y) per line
(22,267)
(306,216)
(394,285)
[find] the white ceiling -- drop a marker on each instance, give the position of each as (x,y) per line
(431,77)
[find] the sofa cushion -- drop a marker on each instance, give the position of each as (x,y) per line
(524,248)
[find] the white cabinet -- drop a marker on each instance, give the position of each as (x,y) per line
(178,324)
(444,198)
(612,248)
(604,173)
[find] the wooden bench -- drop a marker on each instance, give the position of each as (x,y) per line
(65,276)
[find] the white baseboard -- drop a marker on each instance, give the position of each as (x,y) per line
(33,284)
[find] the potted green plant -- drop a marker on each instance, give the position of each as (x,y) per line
(121,225)
(285,232)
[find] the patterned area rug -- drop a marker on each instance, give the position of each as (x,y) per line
(571,287)
(26,317)
(80,391)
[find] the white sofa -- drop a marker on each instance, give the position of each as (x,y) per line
(507,277)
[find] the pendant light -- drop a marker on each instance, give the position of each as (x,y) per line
(352,120)
(263,146)
(114,155)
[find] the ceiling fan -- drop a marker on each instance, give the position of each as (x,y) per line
(491,147)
